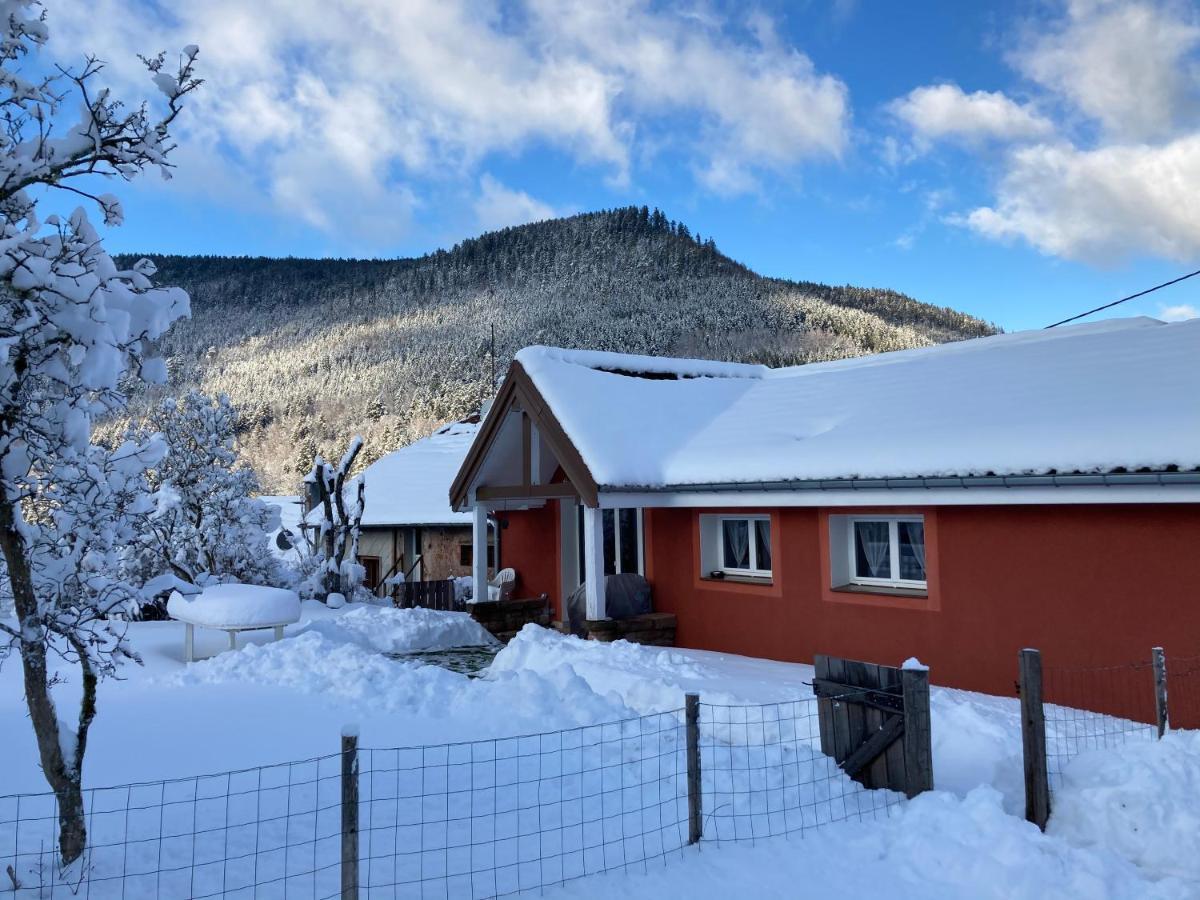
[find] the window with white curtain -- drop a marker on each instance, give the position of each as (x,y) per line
(745,545)
(886,551)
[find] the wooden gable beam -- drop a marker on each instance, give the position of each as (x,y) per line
(519,393)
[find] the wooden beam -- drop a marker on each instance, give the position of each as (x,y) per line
(918,734)
(827,689)
(876,744)
(1033,739)
(526,450)
(525,492)
(1159,660)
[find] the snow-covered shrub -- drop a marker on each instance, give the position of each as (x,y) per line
(212,525)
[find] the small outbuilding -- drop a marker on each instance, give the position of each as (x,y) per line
(408,526)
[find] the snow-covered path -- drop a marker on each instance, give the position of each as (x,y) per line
(1126,822)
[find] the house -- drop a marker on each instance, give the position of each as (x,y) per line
(954,503)
(408,526)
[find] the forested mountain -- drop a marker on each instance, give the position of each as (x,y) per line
(312,351)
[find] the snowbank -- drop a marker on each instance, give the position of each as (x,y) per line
(1141,801)
(387,630)
(939,847)
(650,679)
(340,664)
(236,606)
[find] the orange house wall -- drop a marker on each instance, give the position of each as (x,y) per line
(530,545)
(1088,585)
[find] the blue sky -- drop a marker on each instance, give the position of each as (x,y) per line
(1020,161)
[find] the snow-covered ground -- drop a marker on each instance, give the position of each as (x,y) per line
(1126,822)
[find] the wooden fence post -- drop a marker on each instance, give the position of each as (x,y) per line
(918,734)
(1159,658)
(1033,739)
(692,725)
(350,813)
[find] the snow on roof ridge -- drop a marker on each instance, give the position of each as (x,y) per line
(633,363)
(970,345)
(1121,393)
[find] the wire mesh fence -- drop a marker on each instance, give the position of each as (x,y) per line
(486,818)
(265,832)
(764,775)
(1095,709)
(1183,691)
(499,817)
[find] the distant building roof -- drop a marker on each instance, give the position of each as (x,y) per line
(410,486)
(1122,394)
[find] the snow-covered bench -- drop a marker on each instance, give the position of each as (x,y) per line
(233,608)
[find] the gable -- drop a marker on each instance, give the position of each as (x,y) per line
(517,452)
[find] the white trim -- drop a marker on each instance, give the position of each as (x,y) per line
(479,538)
(593,562)
(752,534)
(893,523)
(909,497)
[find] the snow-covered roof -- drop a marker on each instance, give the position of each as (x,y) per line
(1118,394)
(411,486)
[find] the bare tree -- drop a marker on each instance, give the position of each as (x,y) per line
(71,324)
(338,530)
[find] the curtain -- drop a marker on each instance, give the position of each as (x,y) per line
(874,541)
(915,533)
(762,533)
(737,544)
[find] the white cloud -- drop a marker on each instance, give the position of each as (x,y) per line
(498,206)
(1100,205)
(935,112)
(1178,313)
(323,108)
(1123,64)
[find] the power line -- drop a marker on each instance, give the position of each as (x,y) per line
(1157,287)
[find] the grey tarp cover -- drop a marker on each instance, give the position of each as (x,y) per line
(624,596)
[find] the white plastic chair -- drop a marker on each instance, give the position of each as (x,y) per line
(506,582)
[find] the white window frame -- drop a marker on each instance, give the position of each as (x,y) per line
(893,553)
(754,571)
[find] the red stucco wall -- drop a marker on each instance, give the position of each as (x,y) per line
(1088,585)
(529,544)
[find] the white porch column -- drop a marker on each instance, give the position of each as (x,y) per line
(479,543)
(593,562)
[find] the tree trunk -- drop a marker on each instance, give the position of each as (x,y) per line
(62,775)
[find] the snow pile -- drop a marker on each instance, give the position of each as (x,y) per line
(977,740)
(1081,398)
(333,667)
(1141,801)
(236,606)
(650,679)
(939,847)
(387,630)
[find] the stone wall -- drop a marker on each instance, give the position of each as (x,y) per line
(655,629)
(504,618)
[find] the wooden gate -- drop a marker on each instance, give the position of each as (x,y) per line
(875,722)
(427,594)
